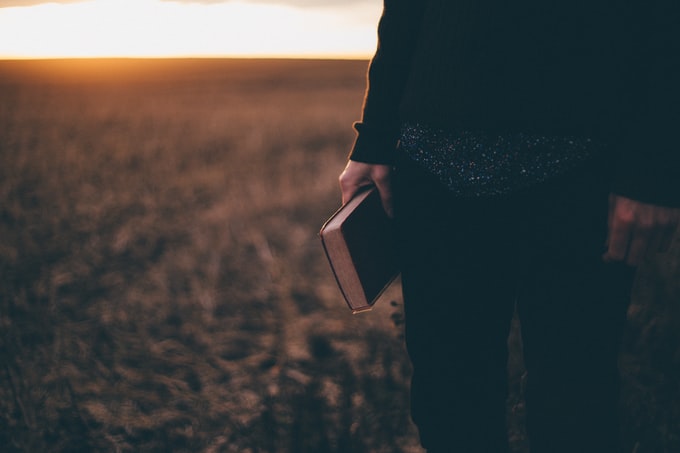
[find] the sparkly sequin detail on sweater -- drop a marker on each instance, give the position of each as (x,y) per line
(472,164)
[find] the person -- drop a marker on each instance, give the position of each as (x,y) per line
(528,153)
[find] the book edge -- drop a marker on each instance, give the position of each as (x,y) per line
(365,304)
(333,225)
(330,224)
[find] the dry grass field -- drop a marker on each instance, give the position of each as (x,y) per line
(162,287)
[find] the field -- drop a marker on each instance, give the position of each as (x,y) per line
(162,287)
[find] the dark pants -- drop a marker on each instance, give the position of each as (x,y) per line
(466,265)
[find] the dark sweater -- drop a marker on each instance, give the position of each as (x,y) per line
(603,69)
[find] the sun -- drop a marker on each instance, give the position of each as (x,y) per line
(154,28)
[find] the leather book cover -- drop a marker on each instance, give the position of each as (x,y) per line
(360,246)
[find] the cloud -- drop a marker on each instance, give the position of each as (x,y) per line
(9,3)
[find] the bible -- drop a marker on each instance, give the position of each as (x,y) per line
(359,244)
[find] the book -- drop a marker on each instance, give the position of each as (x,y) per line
(359,242)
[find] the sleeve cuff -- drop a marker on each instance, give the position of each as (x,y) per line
(374,147)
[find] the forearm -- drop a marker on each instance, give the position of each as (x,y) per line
(388,72)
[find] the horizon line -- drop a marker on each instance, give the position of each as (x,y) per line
(273,56)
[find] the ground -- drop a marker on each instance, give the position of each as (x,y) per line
(163,288)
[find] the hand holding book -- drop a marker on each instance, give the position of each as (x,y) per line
(359,244)
(358,175)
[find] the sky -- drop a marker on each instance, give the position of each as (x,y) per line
(188,28)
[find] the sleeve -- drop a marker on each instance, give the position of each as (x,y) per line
(378,130)
(648,167)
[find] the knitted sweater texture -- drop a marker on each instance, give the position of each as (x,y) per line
(602,69)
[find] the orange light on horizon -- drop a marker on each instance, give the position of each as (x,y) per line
(154,28)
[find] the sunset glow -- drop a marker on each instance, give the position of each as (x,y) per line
(155,28)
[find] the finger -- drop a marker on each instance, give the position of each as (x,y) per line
(662,230)
(387,204)
(640,245)
(348,192)
(644,237)
(618,240)
(351,181)
(665,237)
(384,186)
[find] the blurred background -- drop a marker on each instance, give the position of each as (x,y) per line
(162,285)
